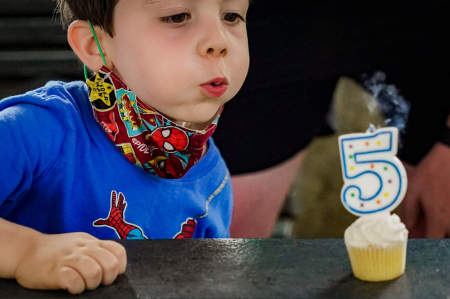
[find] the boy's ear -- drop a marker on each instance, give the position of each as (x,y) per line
(82,42)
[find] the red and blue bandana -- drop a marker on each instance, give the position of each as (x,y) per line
(147,138)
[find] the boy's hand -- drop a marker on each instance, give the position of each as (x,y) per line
(74,262)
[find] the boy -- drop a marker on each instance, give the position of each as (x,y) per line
(128,154)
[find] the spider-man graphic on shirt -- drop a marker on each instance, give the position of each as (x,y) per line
(125,230)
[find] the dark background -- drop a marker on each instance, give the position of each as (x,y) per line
(298,51)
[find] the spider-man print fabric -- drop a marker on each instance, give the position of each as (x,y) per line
(61,173)
(147,138)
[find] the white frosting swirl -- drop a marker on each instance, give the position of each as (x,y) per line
(379,229)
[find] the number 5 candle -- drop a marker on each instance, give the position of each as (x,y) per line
(374,178)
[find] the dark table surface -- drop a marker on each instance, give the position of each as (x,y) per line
(260,268)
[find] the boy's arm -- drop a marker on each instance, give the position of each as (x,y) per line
(14,242)
(74,261)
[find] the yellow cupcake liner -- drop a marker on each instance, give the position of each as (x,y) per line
(376,263)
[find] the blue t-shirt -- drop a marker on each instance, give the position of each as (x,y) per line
(60,173)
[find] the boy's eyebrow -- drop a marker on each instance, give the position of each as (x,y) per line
(150,2)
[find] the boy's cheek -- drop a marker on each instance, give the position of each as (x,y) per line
(242,69)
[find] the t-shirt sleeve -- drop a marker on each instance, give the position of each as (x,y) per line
(30,140)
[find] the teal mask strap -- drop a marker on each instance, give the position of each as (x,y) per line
(99,49)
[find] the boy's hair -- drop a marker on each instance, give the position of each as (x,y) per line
(99,12)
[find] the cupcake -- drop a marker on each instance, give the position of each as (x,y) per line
(376,245)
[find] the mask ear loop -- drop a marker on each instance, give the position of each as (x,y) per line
(99,49)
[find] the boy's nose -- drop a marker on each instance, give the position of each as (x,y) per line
(218,51)
(214,43)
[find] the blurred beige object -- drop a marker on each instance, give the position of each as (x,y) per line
(317,186)
(354,108)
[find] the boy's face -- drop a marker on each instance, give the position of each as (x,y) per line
(166,50)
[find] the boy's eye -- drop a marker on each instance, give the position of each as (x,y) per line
(177,19)
(232,17)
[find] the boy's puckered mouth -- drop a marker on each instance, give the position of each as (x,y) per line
(216,87)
